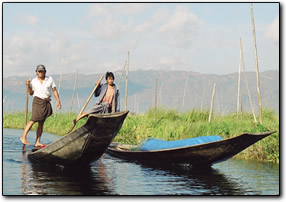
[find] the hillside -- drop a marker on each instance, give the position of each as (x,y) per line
(171,85)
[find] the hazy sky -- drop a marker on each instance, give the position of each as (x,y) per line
(95,37)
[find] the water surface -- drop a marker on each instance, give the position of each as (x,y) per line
(112,176)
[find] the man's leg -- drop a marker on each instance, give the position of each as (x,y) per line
(27,128)
(39,133)
(77,119)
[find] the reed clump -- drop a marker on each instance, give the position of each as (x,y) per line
(174,125)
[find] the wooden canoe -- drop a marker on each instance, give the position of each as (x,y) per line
(205,154)
(85,144)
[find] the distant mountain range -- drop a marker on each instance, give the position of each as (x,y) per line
(179,90)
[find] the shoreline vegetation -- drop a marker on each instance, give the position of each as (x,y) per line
(174,125)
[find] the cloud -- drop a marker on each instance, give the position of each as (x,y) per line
(181,27)
(131,8)
(23,52)
(125,9)
(158,36)
(109,23)
(177,28)
(143,26)
(110,28)
(98,10)
(30,19)
(272,30)
(158,18)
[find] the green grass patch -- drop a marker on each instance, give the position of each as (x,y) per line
(174,125)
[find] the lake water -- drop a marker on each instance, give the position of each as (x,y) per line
(112,176)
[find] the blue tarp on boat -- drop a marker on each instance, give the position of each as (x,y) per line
(157,144)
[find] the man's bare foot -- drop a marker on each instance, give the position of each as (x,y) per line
(24,141)
(39,145)
(74,121)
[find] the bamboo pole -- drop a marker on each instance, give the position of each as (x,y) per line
(135,100)
(222,108)
(246,82)
(78,104)
(122,74)
(185,90)
(256,62)
(86,103)
(26,107)
(138,105)
(212,102)
(63,59)
(88,99)
(202,102)
(238,85)
(218,102)
(155,108)
(160,102)
(27,104)
(126,82)
(60,81)
(75,80)
(241,104)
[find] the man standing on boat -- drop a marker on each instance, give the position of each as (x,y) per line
(40,87)
(108,100)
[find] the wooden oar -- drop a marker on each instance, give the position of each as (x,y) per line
(86,103)
(26,114)
(26,108)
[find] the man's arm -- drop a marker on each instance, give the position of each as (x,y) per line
(56,94)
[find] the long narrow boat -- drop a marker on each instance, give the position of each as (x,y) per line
(205,154)
(85,144)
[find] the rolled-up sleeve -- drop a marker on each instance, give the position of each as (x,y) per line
(53,85)
(97,91)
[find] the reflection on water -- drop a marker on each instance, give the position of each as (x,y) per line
(59,181)
(174,180)
(112,176)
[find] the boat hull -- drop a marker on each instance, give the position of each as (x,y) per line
(202,154)
(85,144)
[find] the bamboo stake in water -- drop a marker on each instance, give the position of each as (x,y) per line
(246,82)
(238,85)
(60,81)
(118,84)
(212,102)
(160,102)
(61,75)
(256,62)
(138,105)
(218,102)
(75,80)
(185,90)
(202,102)
(155,108)
(135,101)
(222,104)
(126,83)
(78,103)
